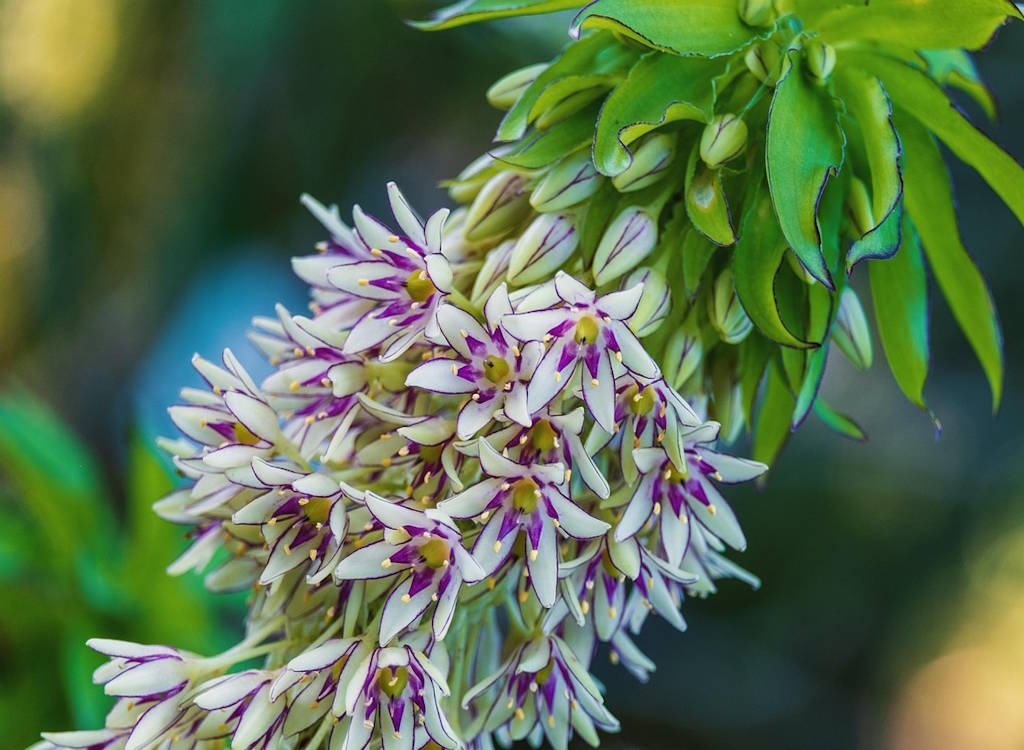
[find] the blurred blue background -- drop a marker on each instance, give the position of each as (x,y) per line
(151,159)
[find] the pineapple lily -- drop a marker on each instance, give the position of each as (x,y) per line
(494,447)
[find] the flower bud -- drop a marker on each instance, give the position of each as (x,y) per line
(542,249)
(492,272)
(683,356)
(498,208)
(506,91)
(763,61)
(628,240)
(724,138)
(858,206)
(569,182)
(467,185)
(758,13)
(821,59)
(655,302)
(851,333)
(651,158)
(726,313)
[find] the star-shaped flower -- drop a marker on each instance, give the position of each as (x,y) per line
(585,332)
(522,497)
(490,367)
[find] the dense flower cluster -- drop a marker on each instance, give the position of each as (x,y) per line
(418,470)
(491,450)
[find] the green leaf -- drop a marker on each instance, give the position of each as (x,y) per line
(697,252)
(755,264)
(755,354)
(823,310)
(544,147)
(956,69)
(839,422)
(920,96)
(929,200)
(600,210)
(659,89)
(804,149)
(53,477)
(878,142)
(899,290)
(707,28)
(472,11)
(917,24)
(771,428)
(579,63)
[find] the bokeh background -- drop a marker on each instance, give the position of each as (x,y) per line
(151,159)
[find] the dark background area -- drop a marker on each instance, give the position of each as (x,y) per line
(151,159)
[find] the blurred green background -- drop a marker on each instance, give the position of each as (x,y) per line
(151,158)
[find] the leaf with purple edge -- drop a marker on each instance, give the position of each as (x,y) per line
(804,150)
(706,28)
(658,89)
(474,11)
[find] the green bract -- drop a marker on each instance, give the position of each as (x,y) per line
(770,147)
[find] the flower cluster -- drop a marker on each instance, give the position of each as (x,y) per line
(494,446)
(414,465)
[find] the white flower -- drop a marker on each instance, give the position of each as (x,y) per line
(585,332)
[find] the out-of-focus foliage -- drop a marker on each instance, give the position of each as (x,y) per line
(72,567)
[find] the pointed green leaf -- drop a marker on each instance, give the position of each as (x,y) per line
(755,264)
(917,24)
(839,422)
(472,11)
(697,252)
(899,291)
(544,147)
(771,428)
(878,145)
(659,89)
(804,149)
(579,62)
(956,69)
(755,354)
(707,28)
(920,96)
(929,200)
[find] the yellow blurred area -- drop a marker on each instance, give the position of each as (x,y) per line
(972,696)
(21,230)
(55,54)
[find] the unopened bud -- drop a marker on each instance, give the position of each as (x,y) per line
(542,249)
(858,206)
(492,272)
(763,61)
(569,182)
(851,333)
(655,302)
(758,13)
(726,313)
(507,90)
(682,356)
(466,186)
(499,207)
(628,240)
(651,159)
(724,138)
(821,59)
